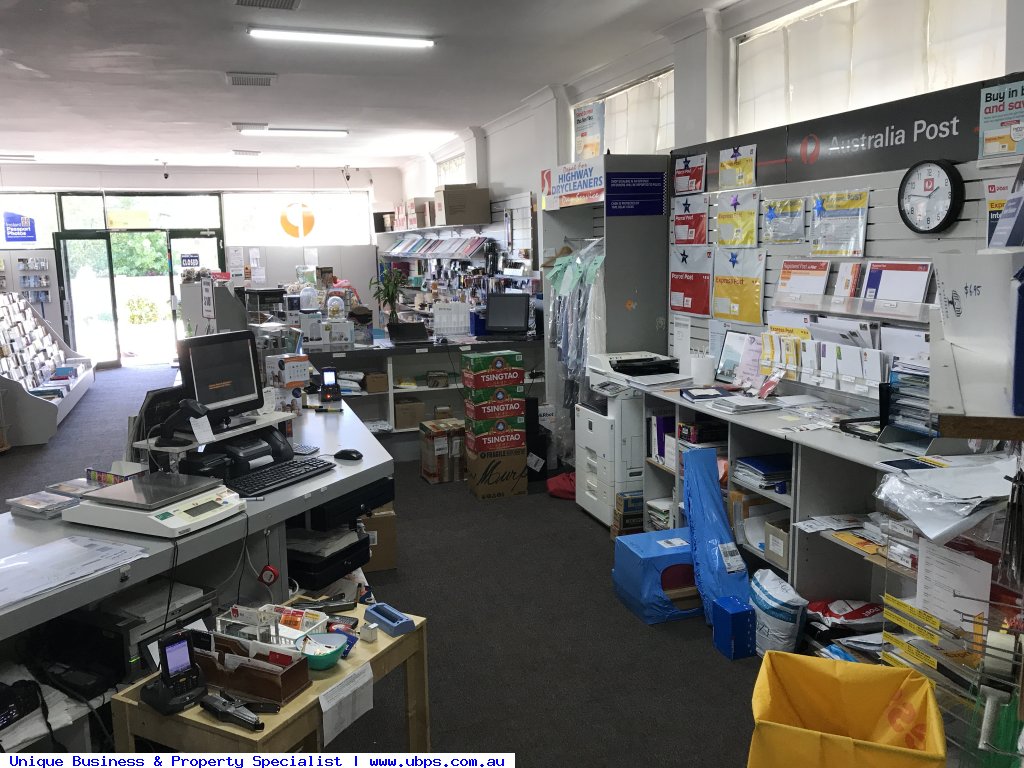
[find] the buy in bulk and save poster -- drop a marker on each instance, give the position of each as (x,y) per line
(690,220)
(738,284)
(737,218)
(689,174)
(1001,122)
(839,223)
(737,167)
(690,280)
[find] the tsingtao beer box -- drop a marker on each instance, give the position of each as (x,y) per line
(486,370)
(496,402)
(483,435)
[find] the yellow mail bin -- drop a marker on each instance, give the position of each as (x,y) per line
(819,712)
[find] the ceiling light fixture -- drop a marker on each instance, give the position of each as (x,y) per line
(338,38)
(249,129)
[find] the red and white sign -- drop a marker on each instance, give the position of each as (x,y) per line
(689,175)
(579,183)
(690,220)
(690,280)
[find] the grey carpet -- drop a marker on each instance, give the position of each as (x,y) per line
(93,434)
(529,649)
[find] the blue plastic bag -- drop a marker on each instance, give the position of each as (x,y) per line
(710,531)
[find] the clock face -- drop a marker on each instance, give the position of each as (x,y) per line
(930,196)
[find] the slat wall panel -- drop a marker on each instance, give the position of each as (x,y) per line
(886,237)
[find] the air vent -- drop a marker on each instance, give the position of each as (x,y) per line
(246,152)
(17,158)
(275,5)
(251,78)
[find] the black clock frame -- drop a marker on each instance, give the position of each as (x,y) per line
(956,203)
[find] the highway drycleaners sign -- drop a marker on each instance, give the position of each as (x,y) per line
(579,183)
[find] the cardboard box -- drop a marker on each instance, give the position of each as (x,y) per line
(287,371)
(375,382)
(442,454)
(616,530)
(418,212)
(496,402)
(382,528)
(734,626)
(409,412)
(776,543)
(496,474)
(487,370)
(629,502)
(401,220)
(484,435)
(437,379)
(462,204)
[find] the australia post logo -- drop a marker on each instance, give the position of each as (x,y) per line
(810,148)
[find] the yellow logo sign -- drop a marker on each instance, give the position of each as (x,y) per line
(297,219)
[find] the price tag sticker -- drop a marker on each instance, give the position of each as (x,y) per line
(848,378)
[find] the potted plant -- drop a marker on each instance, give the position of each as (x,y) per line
(386,287)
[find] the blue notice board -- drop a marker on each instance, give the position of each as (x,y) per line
(635,194)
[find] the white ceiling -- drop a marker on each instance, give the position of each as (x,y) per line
(136,81)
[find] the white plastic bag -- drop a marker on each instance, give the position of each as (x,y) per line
(779,611)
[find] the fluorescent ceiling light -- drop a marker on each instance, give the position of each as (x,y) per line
(339,38)
(303,133)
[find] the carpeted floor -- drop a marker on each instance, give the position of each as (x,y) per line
(529,649)
(93,434)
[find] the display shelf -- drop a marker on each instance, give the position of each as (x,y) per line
(33,352)
(404,390)
(881,309)
(403,429)
(968,391)
(664,468)
(262,420)
(785,499)
(441,228)
(877,559)
(760,554)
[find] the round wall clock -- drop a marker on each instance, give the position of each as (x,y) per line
(931,196)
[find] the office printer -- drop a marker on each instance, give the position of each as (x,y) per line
(612,372)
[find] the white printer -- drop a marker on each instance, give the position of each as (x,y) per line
(610,446)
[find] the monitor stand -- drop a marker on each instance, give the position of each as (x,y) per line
(233,423)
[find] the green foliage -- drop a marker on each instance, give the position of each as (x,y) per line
(139,254)
(142,311)
(386,287)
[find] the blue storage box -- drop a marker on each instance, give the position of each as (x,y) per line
(733,623)
(646,564)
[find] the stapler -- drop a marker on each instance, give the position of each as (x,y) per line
(229,709)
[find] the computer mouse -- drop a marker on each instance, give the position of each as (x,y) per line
(348,454)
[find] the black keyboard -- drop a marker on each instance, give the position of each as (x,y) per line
(266,479)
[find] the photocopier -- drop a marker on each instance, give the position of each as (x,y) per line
(610,446)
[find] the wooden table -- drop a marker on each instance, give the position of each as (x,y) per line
(299,723)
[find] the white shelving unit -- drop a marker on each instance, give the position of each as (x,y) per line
(33,351)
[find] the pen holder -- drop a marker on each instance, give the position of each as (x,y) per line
(703,370)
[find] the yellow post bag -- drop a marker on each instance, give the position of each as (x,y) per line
(810,711)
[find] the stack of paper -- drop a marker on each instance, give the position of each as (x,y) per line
(39,506)
(764,471)
(742,404)
(658,512)
(908,406)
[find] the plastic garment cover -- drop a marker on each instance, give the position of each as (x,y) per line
(940,518)
(710,532)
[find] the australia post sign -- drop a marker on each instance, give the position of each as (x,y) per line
(579,183)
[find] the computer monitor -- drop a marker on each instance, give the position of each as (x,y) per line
(222,372)
(508,312)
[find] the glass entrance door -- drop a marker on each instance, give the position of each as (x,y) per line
(87,296)
(143,291)
(192,250)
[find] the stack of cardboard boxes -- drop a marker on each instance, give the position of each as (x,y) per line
(442,453)
(495,423)
(629,513)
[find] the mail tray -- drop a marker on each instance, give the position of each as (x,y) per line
(281,686)
(314,572)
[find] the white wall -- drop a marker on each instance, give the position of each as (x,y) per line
(386,186)
(419,177)
(513,157)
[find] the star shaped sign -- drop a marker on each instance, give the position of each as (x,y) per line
(735,152)
(686,163)
(819,207)
(686,206)
(770,214)
(684,256)
(735,202)
(734,258)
